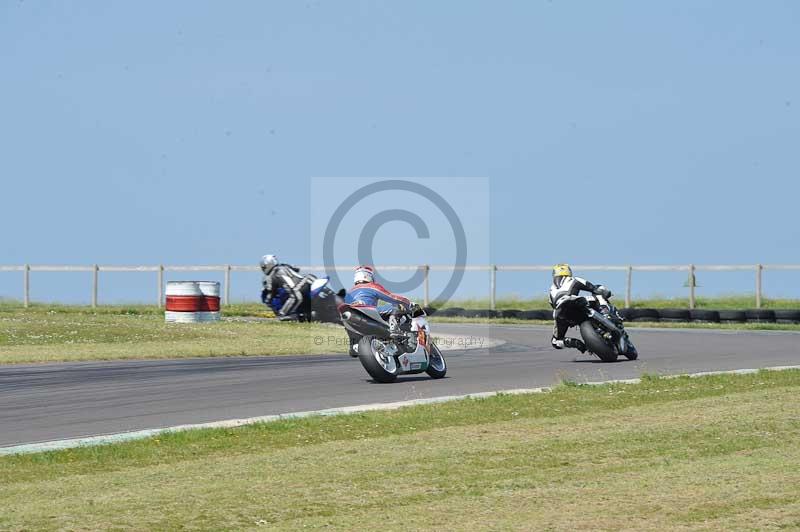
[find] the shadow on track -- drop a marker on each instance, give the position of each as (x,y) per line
(403,379)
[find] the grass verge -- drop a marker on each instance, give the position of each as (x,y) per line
(46,333)
(59,334)
(713,453)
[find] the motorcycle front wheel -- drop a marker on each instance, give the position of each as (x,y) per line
(380,364)
(437,367)
(595,343)
(631,353)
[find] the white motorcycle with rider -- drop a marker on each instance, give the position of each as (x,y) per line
(392,339)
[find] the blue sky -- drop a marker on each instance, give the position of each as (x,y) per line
(189,132)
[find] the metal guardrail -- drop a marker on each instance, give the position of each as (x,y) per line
(227,269)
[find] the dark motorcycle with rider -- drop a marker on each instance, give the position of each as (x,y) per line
(599,321)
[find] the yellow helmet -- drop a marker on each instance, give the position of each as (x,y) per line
(562,270)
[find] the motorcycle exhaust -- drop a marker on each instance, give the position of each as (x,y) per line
(608,324)
(364,325)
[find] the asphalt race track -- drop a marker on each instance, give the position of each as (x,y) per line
(56,401)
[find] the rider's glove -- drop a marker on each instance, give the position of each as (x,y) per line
(265,296)
(603,291)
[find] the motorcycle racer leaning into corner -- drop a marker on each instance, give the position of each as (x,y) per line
(279,275)
(566,287)
(367,293)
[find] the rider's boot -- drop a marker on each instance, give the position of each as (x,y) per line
(293,316)
(394,326)
(353,340)
(575,343)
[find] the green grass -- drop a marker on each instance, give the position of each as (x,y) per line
(50,334)
(715,453)
(54,333)
(716,303)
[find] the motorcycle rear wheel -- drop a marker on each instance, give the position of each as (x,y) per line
(381,366)
(595,343)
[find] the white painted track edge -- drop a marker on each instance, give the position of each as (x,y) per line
(57,445)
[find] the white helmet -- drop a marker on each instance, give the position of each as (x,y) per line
(364,274)
(268,261)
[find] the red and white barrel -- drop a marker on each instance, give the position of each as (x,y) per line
(192,301)
(210,291)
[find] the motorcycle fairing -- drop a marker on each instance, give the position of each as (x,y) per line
(414,362)
(317,285)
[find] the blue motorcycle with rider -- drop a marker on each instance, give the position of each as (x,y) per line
(296,297)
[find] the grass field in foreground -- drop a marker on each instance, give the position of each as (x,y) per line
(50,334)
(714,453)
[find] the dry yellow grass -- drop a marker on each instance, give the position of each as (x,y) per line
(48,336)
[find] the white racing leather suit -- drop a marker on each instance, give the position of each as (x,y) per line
(566,289)
(288,277)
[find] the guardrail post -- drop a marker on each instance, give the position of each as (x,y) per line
(160,285)
(493,287)
(426,299)
(691,286)
(227,284)
(759,269)
(628,282)
(95,283)
(26,286)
